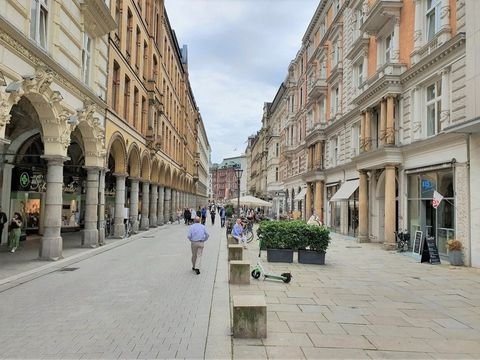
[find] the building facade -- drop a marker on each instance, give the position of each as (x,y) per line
(53,62)
(224,180)
(98,120)
(376,98)
(203,165)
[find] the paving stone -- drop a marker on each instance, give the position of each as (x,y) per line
(387,320)
(404,332)
(249,352)
(297,301)
(455,346)
(284,352)
(331,328)
(299,316)
(303,327)
(341,341)
(325,353)
(277,326)
(400,355)
(354,329)
(284,339)
(283,307)
(400,344)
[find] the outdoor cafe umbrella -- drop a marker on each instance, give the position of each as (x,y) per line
(249,200)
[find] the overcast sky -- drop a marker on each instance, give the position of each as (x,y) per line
(238,54)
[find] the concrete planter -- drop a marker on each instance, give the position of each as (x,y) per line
(311,257)
(280,255)
(455,257)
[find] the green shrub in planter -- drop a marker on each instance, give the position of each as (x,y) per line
(293,235)
(316,238)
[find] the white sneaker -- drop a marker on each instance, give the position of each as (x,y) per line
(13,250)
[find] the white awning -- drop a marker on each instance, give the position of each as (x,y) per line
(346,190)
(301,194)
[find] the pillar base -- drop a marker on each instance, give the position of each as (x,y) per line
(153,222)
(363,239)
(90,238)
(390,246)
(101,237)
(135,226)
(118,231)
(51,248)
(144,224)
(160,223)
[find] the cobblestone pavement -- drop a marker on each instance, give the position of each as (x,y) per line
(366,303)
(137,300)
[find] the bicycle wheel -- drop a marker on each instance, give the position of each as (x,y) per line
(249,235)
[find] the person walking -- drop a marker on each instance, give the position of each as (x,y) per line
(213,213)
(3,221)
(222,217)
(197,234)
(237,233)
(15,231)
(186,216)
(203,212)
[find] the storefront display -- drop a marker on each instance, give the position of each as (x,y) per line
(422,216)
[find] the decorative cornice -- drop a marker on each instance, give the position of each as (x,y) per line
(37,57)
(437,55)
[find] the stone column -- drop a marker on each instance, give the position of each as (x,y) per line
(368,132)
(390,213)
(119,226)
(383,122)
(173,202)
(101,207)
(145,222)
(167,204)
(319,188)
(363,208)
(6,197)
(445,29)
(160,200)
(445,112)
(134,188)
(390,138)
(51,245)
(90,232)
(153,206)
(308,201)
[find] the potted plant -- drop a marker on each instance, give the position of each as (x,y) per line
(278,238)
(455,254)
(315,241)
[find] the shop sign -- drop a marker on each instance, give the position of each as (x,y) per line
(427,185)
(24,180)
(430,251)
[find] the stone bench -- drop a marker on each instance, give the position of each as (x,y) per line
(231,240)
(249,317)
(239,272)
(235,252)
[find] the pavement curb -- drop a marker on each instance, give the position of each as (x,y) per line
(24,277)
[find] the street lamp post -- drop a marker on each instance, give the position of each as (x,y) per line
(238,175)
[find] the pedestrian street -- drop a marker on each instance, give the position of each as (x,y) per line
(138,300)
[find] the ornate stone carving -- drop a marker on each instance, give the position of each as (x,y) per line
(39,82)
(444,11)
(417,35)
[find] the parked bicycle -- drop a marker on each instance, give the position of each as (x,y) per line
(403,240)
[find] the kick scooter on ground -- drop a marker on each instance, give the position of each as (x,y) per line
(258,270)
